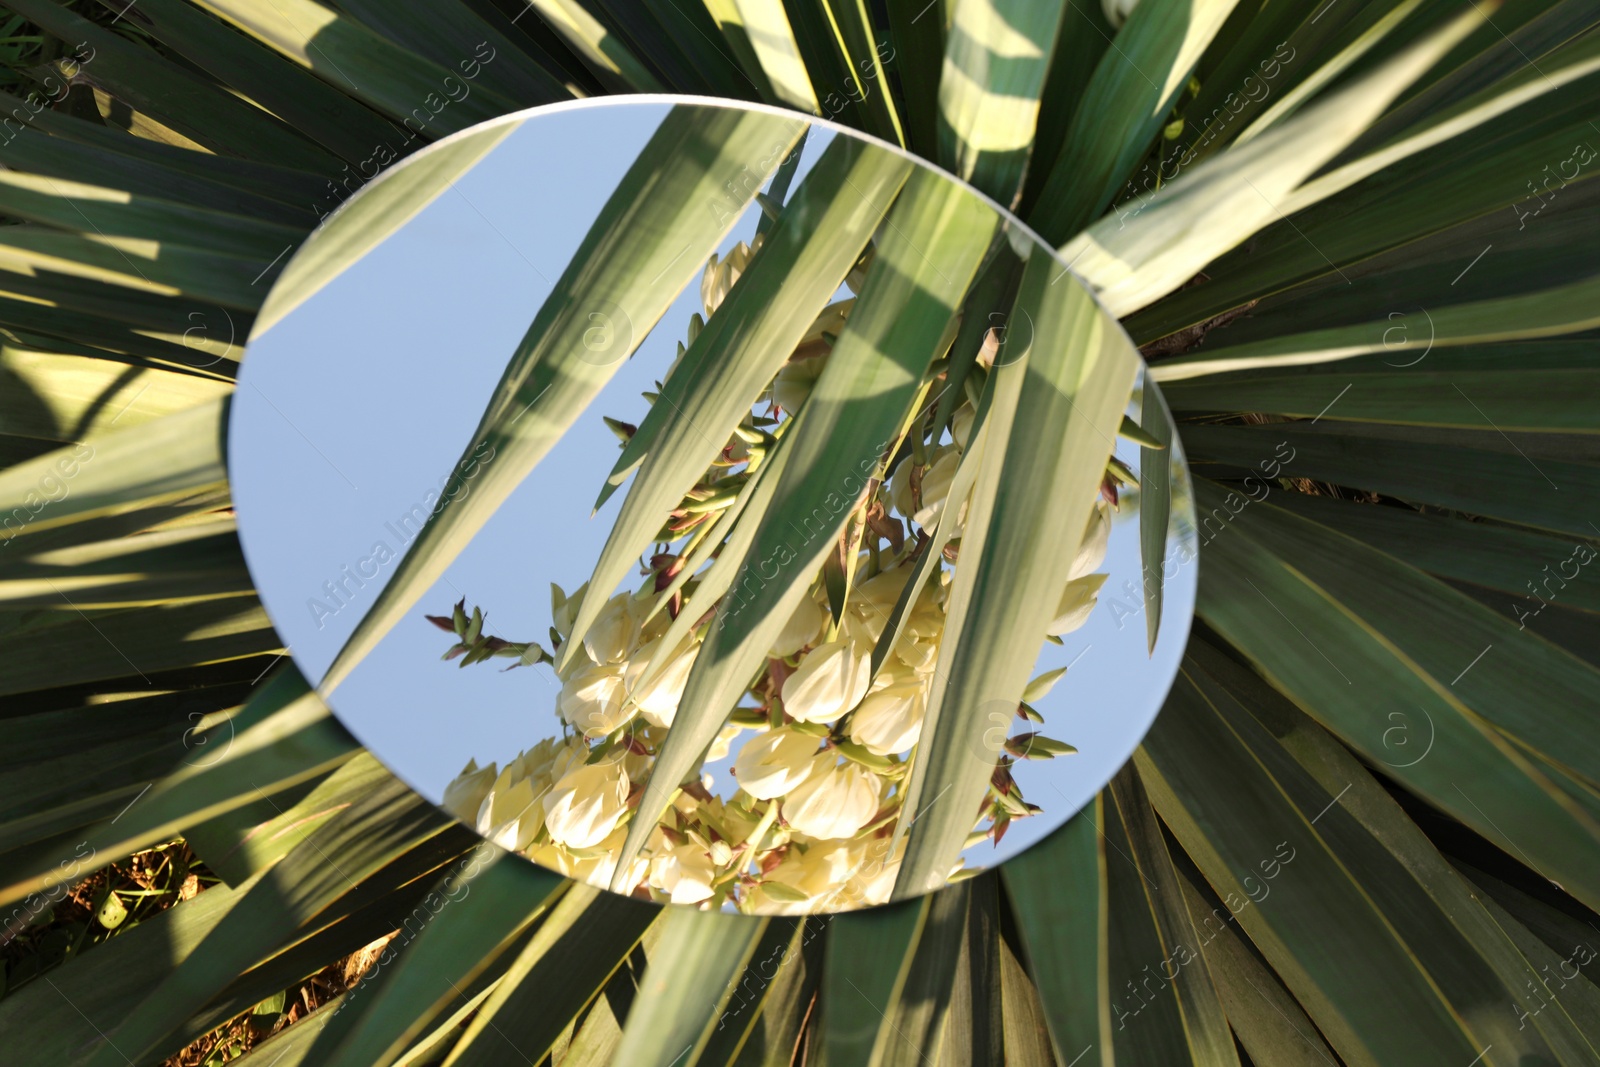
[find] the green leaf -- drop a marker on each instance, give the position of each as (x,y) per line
(937,232)
(1474,472)
(648,241)
(1567,309)
(371,217)
(1155,503)
(1351,676)
(1124,104)
(1072,387)
(375,70)
(283,736)
(610,59)
(672,1019)
(575,952)
(1131,261)
(1058,893)
(472,917)
(1150,921)
(867,966)
(994,72)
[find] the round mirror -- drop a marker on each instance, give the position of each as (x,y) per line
(741,513)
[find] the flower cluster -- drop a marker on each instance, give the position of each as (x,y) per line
(820,745)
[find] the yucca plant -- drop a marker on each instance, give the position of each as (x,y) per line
(1354,241)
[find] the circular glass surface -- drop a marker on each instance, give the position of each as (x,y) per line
(712,504)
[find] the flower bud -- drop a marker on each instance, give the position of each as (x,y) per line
(1077,601)
(835,801)
(464,796)
(1117,11)
(1092,549)
(592,701)
(585,805)
(684,873)
(657,699)
(614,632)
(771,764)
(802,629)
(890,720)
(831,679)
(933,488)
(795,381)
(509,815)
(961,425)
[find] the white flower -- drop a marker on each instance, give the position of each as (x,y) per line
(510,814)
(803,628)
(564,608)
(835,800)
(819,870)
(771,764)
(961,425)
(724,740)
(684,873)
(933,488)
(1077,601)
(890,720)
(592,700)
(830,680)
(595,869)
(657,699)
(614,632)
(1092,549)
(585,804)
(795,381)
(874,877)
(465,794)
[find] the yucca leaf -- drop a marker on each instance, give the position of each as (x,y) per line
(607,56)
(318,110)
(1568,309)
(989,88)
(649,240)
(1460,550)
(480,914)
(1237,823)
(867,965)
(374,216)
(1059,896)
(771,39)
(1473,770)
(1530,386)
(282,736)
(801,265)
(471,48)
(936,235)
(1155,503)
(373,69)
(1182,1020)
(1265,1016)
(382,826)
(1476,472)
(776,969)
(1133,258)
(834,39)
(178,98)
(1470,953)
(587,936)
(199,562)
(1124,103)
(672,1020)
(1071,388)
(64,398)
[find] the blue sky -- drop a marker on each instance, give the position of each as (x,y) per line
(356,405)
